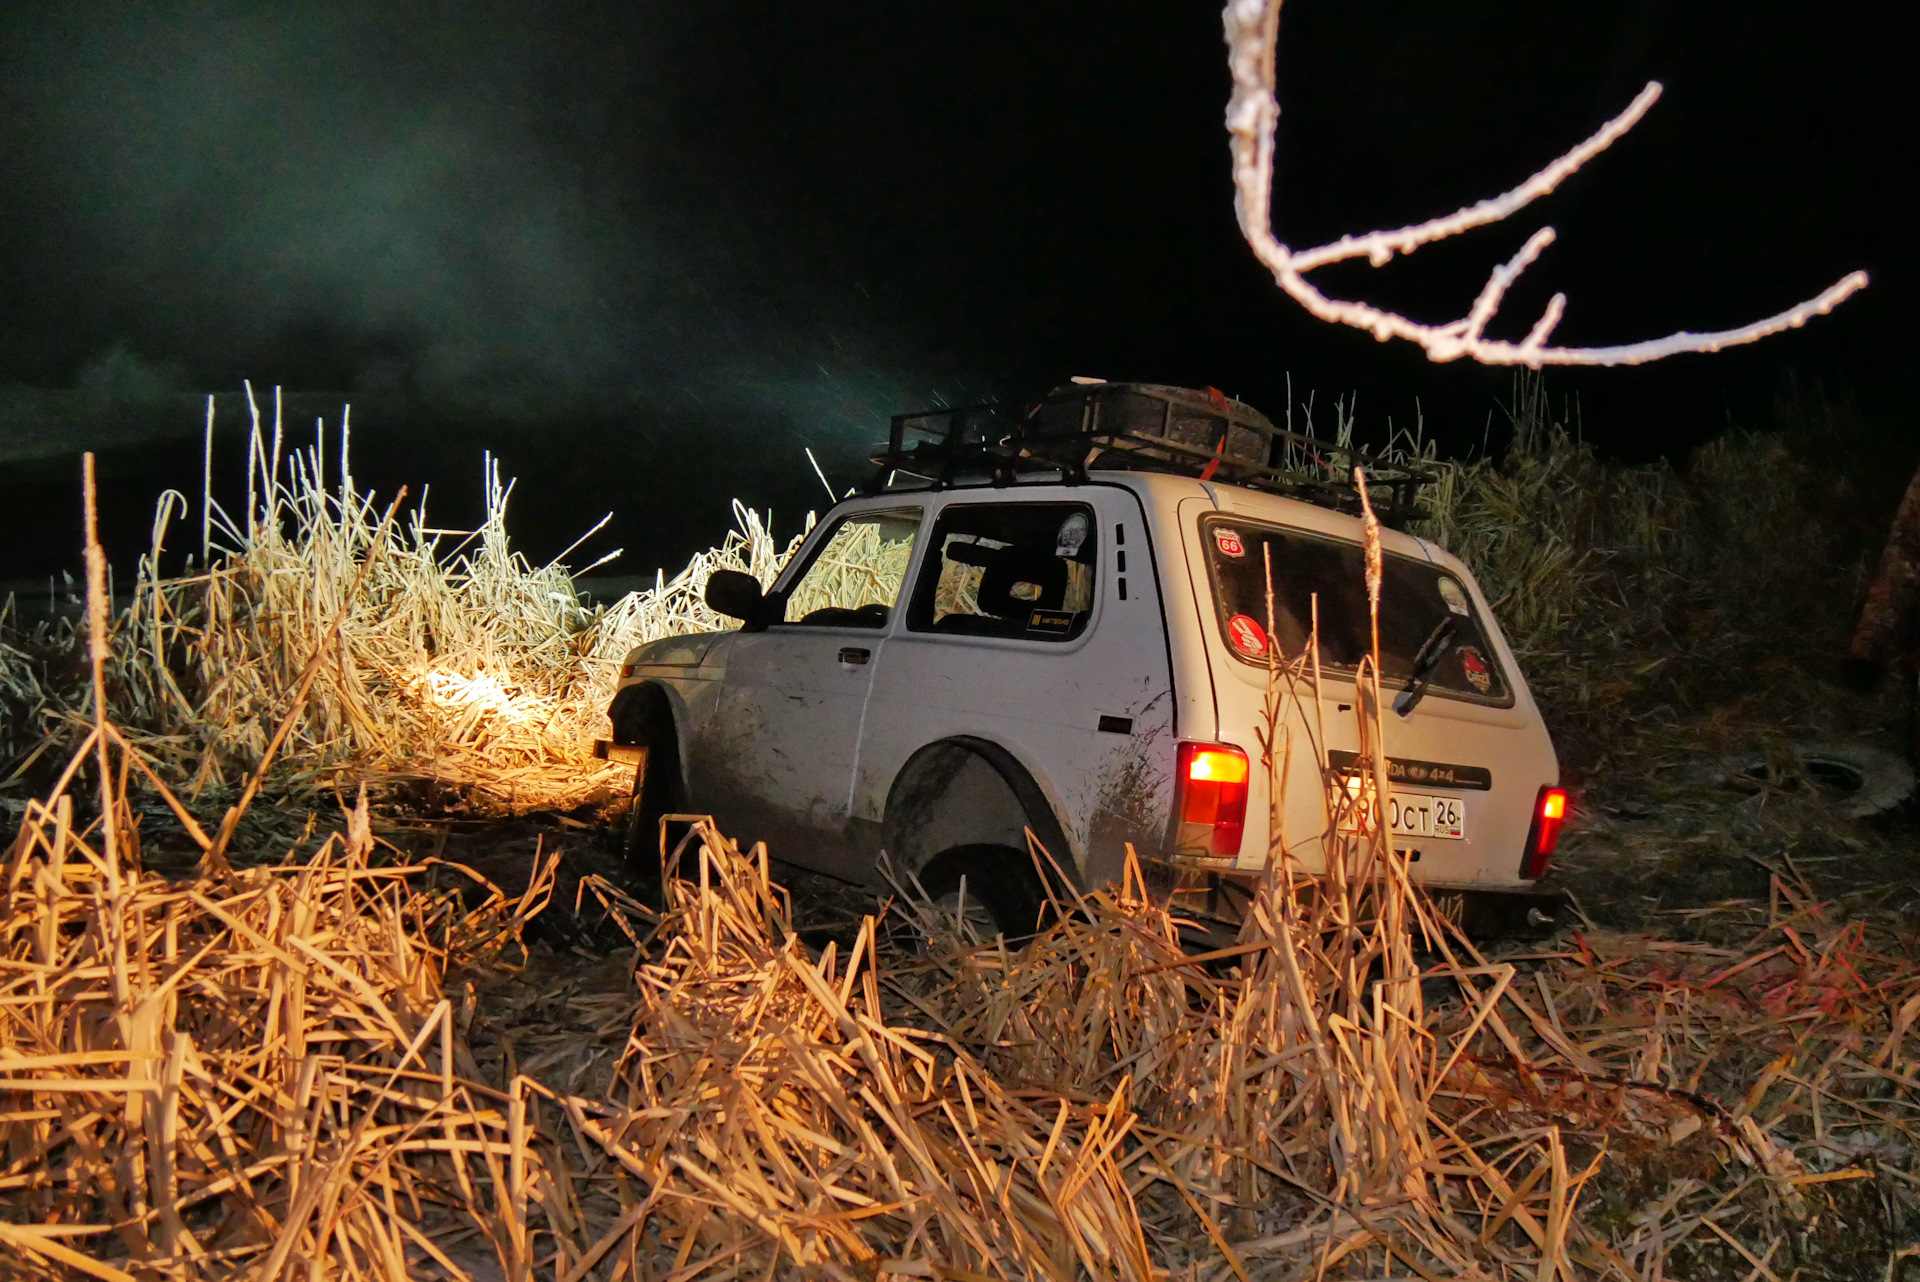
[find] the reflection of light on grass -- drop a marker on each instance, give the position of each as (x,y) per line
(482,692)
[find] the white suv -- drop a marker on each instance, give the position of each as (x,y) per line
(998,639)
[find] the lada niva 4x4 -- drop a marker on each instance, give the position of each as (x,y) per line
(1052,618)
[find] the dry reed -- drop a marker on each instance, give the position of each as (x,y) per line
(233,1076)
(246,1073)
(459,661)
(261,1073)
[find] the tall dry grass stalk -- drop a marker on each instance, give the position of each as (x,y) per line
(429,653)
(262,1074)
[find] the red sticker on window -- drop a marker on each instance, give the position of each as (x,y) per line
(1247,636)
(1228,541)
(1479,676)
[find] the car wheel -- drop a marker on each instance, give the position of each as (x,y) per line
(656,794)
(1002,896)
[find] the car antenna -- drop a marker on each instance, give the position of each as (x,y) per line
(822,475)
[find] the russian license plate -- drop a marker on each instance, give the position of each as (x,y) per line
(1415,814)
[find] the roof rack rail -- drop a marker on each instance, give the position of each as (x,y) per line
(1140,427)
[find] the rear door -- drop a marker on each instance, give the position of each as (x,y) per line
(1035,625)
(1468,755)
(777,761)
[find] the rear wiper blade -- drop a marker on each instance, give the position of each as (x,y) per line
(1432,650)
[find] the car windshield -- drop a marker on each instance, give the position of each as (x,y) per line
(854,579)
(1427,619)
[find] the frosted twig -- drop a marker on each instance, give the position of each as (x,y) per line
(1252,27)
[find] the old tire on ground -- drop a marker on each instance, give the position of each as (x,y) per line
(1871,781)
(1004,896)
(1863,781)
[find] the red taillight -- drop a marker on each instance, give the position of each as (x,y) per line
(1549,812)
(1212,800)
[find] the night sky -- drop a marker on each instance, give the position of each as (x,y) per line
(648,252)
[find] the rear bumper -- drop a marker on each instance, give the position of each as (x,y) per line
(1219,899)
(1490,912)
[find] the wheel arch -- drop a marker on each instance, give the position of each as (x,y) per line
(645,708)
(963,791)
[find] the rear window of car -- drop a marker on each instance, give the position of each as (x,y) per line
(1421,606)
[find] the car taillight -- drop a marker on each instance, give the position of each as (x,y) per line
(1549,812)
(1212,800)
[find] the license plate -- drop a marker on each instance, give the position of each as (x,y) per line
(1415,814)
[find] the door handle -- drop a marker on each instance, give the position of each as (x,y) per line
(854,654)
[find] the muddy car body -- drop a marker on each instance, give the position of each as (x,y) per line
(951,662)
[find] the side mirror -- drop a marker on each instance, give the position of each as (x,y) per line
(735,595)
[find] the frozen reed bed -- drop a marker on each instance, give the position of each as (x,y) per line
(414,652)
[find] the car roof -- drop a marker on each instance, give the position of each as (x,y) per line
(1163,492)
(1254,505)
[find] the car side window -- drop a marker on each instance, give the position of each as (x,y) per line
(1021,570)
(855,577)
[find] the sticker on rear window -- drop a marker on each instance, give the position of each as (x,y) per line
(1248,637)
(1479,676)
(1229,542)
(1059,622)
(1071,536)
(1450,593)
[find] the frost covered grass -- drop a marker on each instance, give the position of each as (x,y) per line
(397,652)
(1645,601)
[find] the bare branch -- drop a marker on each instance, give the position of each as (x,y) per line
(1252,27)
(1504,275)
(1380,246)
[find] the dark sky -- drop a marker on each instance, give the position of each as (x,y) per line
(647,251)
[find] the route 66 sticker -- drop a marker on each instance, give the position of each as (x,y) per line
(1229,541)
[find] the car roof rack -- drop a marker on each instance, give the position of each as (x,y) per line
(1139,427)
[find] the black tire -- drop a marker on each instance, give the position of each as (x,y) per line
(1001,887)
(1866,781)
(1863,781)
(656,794)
